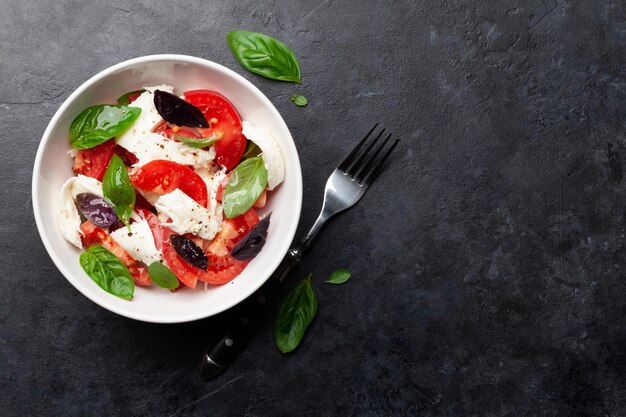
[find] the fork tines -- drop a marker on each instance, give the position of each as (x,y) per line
(364,166)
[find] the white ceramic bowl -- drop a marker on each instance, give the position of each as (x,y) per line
(53,167)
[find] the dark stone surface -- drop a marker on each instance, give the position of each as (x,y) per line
(488,263)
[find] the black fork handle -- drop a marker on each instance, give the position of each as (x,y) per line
(225,348)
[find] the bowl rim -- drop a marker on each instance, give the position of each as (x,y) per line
(102,301)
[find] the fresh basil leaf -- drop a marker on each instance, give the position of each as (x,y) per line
(118,189)
(162,276)
(107,271)
(175,110)
(252,243)
(199,142)
(124,99)
(252,150)
(299,100)
(264,55)
(99,123)
(245,185)
(294,316)
(339,277)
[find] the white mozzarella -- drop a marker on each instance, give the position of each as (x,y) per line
(186,215)
(149,146)
(138,242)
(212,181)
(147,120)
(69,218)
(271,154)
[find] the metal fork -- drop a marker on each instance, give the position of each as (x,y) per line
(344,188)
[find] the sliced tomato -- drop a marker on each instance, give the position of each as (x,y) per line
(162,177)
(223,267)
(133,97)
(224,119)
(155,225)
(93,162)
(93,234)
(184,271)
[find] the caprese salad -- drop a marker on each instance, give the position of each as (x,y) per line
(166,190)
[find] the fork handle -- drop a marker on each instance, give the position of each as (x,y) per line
(225,347)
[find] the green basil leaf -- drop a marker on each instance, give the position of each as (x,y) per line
(294,316)
(99,123)
(245,185)
(162,276)
(299,100)
(264,55)
(199,142)
(107,271)
(123,100)
(252,150)
(118,189)
(339,277)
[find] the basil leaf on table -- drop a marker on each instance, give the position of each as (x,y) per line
(264,55)
(162,276)
(99,123)
(294,316)
(245,185)
(252,243)
(199,142)
(124,99)
(339,277)
(106,270)
(118,189)
(299,100)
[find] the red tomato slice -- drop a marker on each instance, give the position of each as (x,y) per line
(223,267)
(223,117)
(93,162)
(155,226)
(93,234)
(184,271)
(133,97)
(162,177)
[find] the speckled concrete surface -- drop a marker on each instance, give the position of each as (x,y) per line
(487,263)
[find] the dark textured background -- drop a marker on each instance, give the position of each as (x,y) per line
(487,263)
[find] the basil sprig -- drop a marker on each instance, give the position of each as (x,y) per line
(252,243)
(299,100)
(118,189)
(99,123)
(107,271)
(162,276)
(264,55)
(339,277)
(245,185)
(199,142)
(294,316)
(124,99)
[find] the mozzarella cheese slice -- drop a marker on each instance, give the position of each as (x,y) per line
(138,242)
(69,218)
(271,154)
(213,181)
(186,215)
(149,146)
